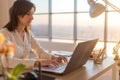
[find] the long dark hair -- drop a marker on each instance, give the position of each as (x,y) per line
(19,8)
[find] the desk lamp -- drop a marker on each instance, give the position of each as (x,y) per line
(95,10)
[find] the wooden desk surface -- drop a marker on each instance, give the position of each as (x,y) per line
(89,71)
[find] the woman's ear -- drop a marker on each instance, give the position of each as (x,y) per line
(19,17)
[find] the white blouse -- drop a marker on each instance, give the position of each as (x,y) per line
(23,48)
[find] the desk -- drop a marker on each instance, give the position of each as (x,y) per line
(89,71)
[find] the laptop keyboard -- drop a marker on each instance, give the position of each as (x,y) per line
(60,67)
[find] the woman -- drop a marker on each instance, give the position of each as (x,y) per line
(17,30)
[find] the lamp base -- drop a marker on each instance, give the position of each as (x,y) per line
(116,57)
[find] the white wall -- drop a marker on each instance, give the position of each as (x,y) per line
(4,11)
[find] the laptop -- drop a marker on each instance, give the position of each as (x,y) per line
(79,57)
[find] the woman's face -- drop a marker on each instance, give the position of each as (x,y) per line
(27,18)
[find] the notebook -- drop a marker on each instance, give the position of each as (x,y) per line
(79,57)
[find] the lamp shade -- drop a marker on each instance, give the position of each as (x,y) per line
(95,9)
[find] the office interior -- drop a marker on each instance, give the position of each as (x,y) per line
(60,24)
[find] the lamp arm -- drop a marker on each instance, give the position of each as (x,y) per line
(90,2)
(117,46)
(115,51)
(112,6)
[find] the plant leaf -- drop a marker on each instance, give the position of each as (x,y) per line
(9,76)
(17,70)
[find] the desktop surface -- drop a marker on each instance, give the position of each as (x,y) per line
(90,71)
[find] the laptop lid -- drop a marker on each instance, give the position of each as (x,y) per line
(79,57)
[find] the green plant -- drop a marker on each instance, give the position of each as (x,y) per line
(15,73)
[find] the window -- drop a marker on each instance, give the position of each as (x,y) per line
(66,19)
(70,20)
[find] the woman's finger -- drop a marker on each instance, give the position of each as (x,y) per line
(55,63)
(62,58)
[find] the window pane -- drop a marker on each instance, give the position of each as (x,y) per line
(39,25)
(41,6)
(82,5)
(113,26)
(89,28)
(62,26)
(62,5)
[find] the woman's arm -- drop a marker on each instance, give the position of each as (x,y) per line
(38,50)
(12,62)
(29,63)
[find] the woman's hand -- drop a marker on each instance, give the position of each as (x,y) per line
(48,63)
(60,59)
(55,61)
